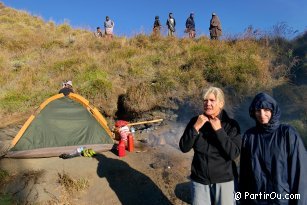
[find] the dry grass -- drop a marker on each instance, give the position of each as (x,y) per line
(26,181)
(71,185)
(150,72)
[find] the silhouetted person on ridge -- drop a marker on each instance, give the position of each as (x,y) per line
(157,26)
(215,27)
(190,26)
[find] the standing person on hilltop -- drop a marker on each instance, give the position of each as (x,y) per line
(171,24)
(108,26)
(157,26)
(215,139)
(190,26)
(273,158)
(215,27)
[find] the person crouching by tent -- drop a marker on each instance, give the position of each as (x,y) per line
(122,129)
(108,26)
(67,88)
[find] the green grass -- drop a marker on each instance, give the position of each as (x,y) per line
(6,199)
(14,100)
(3,175)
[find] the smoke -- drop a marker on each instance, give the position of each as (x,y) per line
(171,130)
(169,134)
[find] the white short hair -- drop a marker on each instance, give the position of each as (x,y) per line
(217,92)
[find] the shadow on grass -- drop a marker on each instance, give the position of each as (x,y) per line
(131,186)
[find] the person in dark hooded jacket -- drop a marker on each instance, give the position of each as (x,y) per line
(190,26)
(157,26)
(273,158)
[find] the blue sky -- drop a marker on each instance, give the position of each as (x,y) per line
(135,16)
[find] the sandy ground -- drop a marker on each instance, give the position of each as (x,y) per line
(156,173)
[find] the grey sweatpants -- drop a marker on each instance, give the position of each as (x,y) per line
(217,194)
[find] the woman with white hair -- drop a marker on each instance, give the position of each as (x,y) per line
(215,139)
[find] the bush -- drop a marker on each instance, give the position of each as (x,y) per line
(94,82)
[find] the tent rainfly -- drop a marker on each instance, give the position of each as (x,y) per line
(61,125)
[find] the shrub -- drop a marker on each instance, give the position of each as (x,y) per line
(140,98)
(64,28)
(94,82)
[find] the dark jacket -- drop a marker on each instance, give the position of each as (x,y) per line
(190,24)
(214,151)
(157,23)
(273,159)
(66,91)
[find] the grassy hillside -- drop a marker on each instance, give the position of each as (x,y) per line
(144,72)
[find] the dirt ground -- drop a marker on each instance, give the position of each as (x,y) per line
(155,173)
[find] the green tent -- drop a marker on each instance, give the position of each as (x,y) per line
(61,125)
